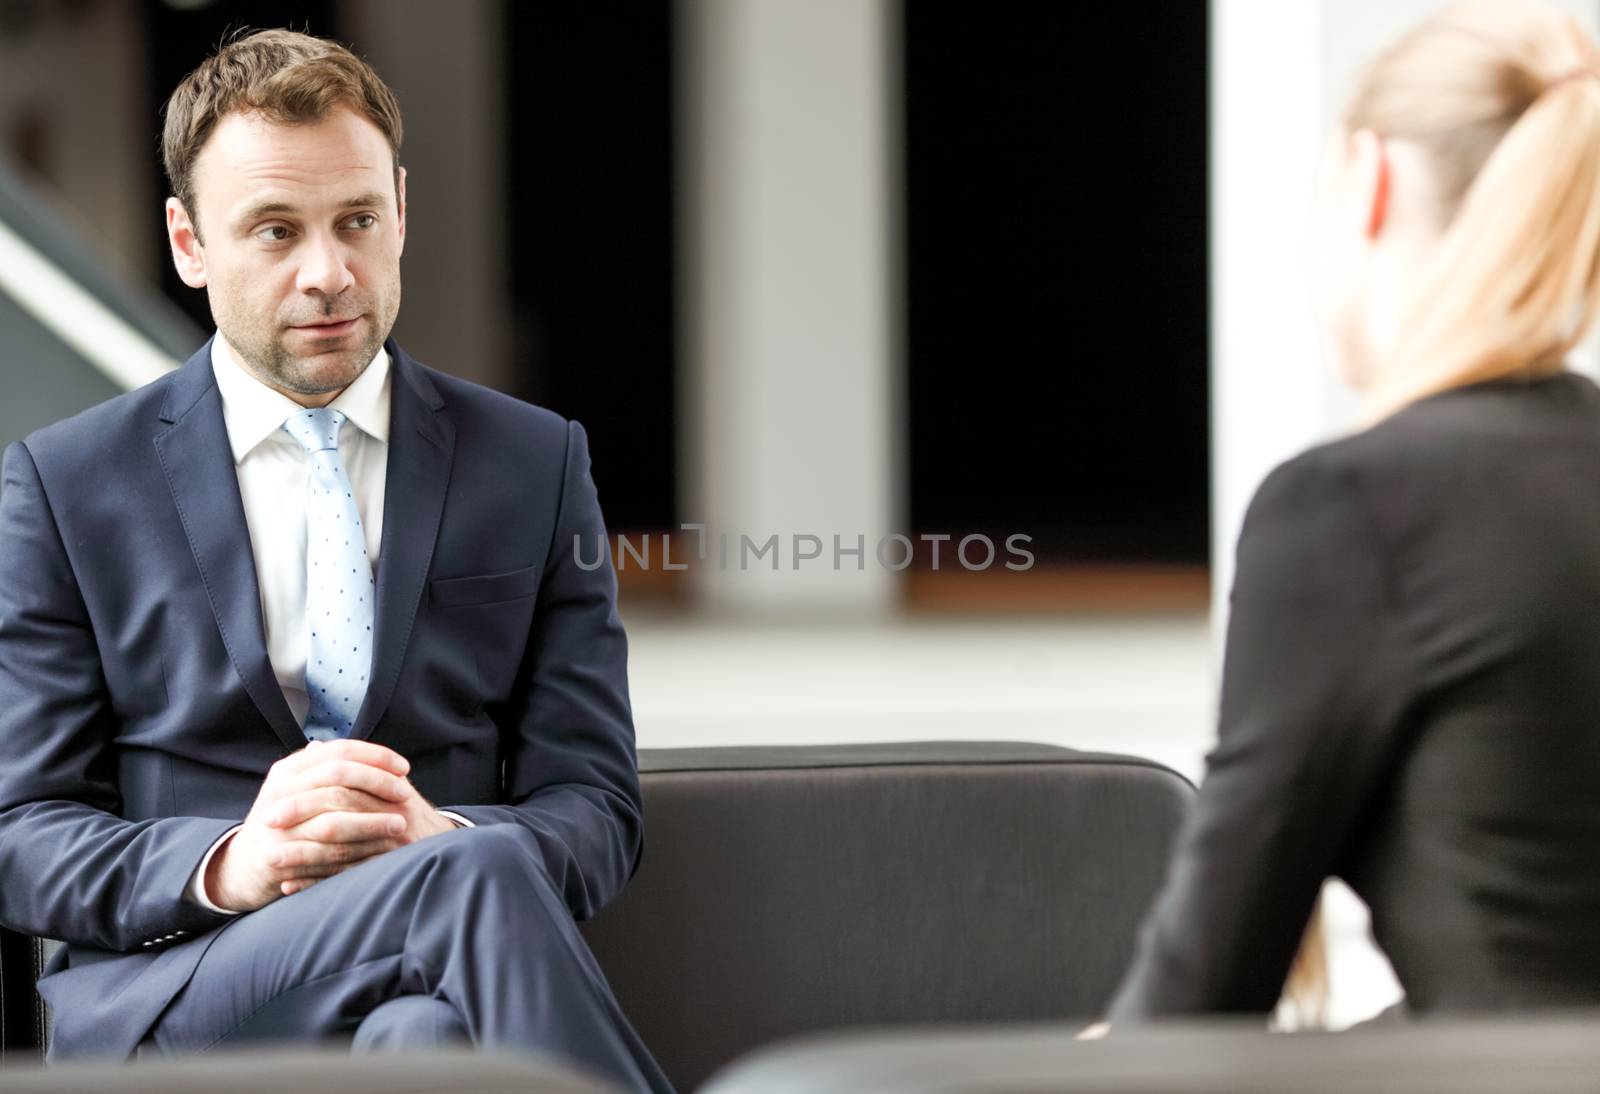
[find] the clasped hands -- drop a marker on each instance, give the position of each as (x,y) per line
(320,810)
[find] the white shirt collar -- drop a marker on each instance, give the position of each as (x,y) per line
(253,411)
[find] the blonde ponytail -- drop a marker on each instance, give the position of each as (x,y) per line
(1503,99)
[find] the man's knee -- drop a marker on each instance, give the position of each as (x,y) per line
(410,1022)
(488,853)
(483,880)
(490,845)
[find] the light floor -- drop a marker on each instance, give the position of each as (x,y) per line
(1142,686)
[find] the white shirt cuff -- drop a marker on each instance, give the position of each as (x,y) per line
(457,817)
(197,883)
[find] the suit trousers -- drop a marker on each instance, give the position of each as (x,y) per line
(458,937)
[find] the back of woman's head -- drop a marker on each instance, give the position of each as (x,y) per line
(1502,98)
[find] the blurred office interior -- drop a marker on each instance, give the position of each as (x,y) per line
(805,269)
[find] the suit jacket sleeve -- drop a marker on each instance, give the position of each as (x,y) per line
(1315,679)
(571,774)
(73,869)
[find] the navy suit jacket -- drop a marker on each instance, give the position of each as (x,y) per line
(139,712)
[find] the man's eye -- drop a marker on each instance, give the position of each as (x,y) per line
(264,234)
(363,220)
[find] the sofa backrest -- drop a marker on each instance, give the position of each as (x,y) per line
(789,890)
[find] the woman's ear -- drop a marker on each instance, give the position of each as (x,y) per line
(188,253)
(1371,173)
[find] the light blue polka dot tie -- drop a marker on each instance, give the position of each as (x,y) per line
(339,588)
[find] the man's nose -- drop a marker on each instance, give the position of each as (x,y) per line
(323,267)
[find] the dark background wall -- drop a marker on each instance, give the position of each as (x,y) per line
(591,222)
(1055,179)
(1053,228)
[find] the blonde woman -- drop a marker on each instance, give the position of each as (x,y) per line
(1411,686)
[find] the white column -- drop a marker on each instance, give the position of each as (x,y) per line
(789,394)
(1269,396)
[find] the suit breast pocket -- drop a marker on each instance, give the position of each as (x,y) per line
(447,592)
(483,620)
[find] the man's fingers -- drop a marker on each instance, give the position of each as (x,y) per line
(337,826)
(322,870)
(302,806)
(351,773)
(345,748)
(313,873)
(298,857)
(346,827)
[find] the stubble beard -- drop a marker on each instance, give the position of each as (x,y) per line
(262,349)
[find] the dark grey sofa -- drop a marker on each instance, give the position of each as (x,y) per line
(313,1070)
(1550,1053)
(785,890)
(788,890)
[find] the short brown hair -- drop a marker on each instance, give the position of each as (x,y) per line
(289,78)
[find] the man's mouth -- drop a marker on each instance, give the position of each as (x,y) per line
(329,328)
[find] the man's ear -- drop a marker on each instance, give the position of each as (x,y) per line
(400,202)
(188,255)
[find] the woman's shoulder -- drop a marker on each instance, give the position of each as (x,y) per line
(1438,451)
(1556,405)
(1475,421)
(1313,478)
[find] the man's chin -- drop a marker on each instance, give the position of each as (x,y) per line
(320,373)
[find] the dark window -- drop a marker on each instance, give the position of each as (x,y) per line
(1056,346)
(591,204)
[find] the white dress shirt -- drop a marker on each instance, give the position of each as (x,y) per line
(274,468)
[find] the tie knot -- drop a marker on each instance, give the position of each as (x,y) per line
(316,429)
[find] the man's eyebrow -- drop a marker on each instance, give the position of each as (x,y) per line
(266,208)
(371,197)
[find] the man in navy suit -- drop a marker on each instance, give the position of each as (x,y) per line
(257,616)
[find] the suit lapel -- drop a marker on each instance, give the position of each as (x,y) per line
(421,446)
(198,464)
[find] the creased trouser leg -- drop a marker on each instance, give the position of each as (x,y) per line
(468,918)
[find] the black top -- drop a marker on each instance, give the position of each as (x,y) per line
(1411,702)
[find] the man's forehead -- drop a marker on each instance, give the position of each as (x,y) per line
(249,160)
(243,134)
